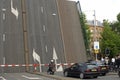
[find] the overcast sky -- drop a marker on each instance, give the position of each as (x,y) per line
(105,9)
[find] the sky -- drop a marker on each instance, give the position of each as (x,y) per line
(104,9)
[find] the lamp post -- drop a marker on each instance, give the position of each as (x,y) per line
(96,43)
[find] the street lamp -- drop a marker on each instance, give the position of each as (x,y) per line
(96,43)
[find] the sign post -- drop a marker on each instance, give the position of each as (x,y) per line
(96,48)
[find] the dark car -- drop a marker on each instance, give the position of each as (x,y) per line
(82,70)
(104,69)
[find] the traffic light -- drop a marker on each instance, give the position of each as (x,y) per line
(107,51)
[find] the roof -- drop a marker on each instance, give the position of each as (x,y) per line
(91,22)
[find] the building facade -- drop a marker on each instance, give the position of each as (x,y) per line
(95,31)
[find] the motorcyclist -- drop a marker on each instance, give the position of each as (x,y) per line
(51,68)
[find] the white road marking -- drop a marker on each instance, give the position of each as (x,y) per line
(46,48)
(42,9)
(55,57)
(3,13)
(3,9)
(30,77)
(3,16)
(14,11)
(1,77)
(54,14)
(36,57)
(3,37)
(44,28)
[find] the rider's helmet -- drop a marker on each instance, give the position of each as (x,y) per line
(52,61)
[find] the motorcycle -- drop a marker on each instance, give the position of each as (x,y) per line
(51,71)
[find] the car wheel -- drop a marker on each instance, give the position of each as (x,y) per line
(81,76)
(119,73)
(103,74)
(95,76)
(66,74)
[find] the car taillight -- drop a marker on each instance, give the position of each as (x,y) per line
(88,70)
(99,68)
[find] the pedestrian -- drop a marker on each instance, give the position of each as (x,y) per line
(118,62)
(112,64)
(106,60)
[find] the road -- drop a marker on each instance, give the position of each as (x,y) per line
(11,36)
(22,76)
(58,75)
(43,29)
(109,76)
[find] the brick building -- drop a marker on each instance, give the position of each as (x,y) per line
(95,33)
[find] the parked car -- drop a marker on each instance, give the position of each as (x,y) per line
(104,69)
(82,70)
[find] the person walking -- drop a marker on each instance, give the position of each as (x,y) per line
(113,63)
(117,63)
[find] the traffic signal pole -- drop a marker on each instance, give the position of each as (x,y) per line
(25,36)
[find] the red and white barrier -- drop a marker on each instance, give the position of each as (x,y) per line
(60,65)
(23,65)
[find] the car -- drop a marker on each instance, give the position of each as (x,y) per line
(82,70)
(104,69)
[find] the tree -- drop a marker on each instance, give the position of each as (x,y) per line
(116,25)
(109,40)
(85,30)
(118,17)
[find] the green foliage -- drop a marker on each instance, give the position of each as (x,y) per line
(116,25)
(110,40)
(118,17)
(85,30)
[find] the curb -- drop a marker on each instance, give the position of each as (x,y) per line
(52,76)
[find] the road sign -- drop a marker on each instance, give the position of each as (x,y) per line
(96,51)
(96,45)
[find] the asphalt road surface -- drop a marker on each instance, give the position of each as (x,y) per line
(109,76)
(44,31)
(28,76)
(42,27)
(22,76)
